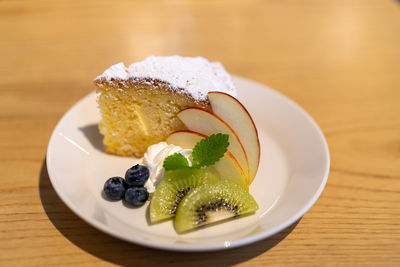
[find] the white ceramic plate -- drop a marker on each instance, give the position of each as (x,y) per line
(293,171)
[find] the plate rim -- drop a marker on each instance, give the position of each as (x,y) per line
(197,247)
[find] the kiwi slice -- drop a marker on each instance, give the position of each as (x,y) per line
(211,203)
(173,187)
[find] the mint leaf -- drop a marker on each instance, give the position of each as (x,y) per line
(209,150)
(175,161)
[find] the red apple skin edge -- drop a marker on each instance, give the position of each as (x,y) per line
(230,128)
(252,121)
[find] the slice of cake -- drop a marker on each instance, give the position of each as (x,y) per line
(139,103)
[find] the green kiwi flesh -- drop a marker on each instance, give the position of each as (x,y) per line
(211,203)
(172,188)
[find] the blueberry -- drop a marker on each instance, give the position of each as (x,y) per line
(115,187)
(136,196)
(137,175)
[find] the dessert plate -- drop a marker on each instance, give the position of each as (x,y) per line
(293,171)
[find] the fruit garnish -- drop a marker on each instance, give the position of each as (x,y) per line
(131,188)
(227,167)
(175,185)
(213,202)
(236,115)
(136,196)
(114,188)
(207,123)
(137,175)
(205,153)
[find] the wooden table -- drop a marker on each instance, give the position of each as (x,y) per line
(340,60)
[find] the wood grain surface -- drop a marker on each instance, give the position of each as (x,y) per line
(340,60)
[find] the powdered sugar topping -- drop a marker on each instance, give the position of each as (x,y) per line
(195,76)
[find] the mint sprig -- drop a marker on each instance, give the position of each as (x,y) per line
(205,153)
(175,161)
(210,149)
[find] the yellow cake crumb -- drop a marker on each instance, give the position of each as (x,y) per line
(136,115)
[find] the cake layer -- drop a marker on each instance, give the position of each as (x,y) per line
(139,115)
(139,104)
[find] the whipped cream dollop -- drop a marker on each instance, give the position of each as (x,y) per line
(154,159)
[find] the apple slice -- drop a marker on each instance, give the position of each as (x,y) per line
(235,114)
(207,123)
(227,167)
